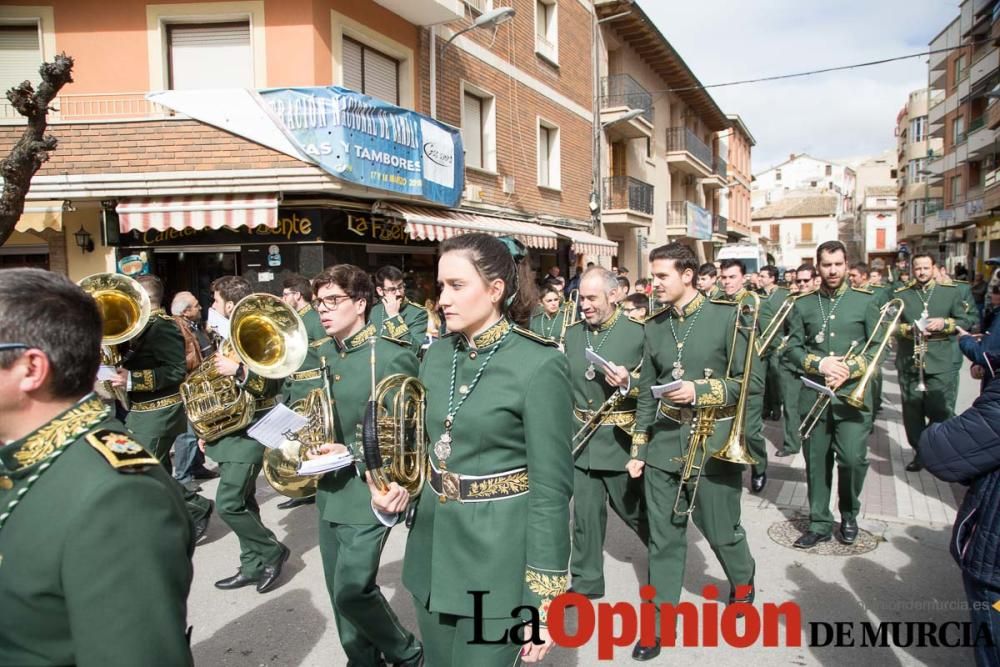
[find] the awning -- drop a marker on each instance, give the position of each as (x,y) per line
(206,212)
(439,224)
(585,243)
(40,215)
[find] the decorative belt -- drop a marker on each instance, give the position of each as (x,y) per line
(478,488)
(156,404)
(623,418)
(314,374)
(686,415)
(264,404)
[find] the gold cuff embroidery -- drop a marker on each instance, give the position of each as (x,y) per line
(255,383)
(639,439)
(547,587)
(715,396)
(143,380)
(811,363)
(860,366)
(396,331)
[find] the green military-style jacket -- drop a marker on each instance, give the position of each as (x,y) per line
(516,420)
(238,447)
(709,359)
(309,376)
(942,300)
(619,340)
(95,557)
(550,327)
(155,360)
(851,316)
(409,324)
(343,495)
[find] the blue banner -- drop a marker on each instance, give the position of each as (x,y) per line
(372,143)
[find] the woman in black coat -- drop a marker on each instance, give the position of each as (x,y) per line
(966,449)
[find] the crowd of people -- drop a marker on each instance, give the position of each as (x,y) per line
(538,397)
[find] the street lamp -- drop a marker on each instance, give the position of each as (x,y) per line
(624,118)
(489,19)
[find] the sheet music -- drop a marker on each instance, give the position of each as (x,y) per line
(106,373)
(277,426)
(218,323)
(326,463)
(598,361)
(658,390)
(815,386)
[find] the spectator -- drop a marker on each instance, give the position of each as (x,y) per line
(624,287)
(636,306)
(574,282)
(979,288)
(966,449)
(961,273)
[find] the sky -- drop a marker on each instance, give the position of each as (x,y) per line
(839,116)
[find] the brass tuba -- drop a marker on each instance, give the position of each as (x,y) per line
(281,464)
(125,311)
(270,339)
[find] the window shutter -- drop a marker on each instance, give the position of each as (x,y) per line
(381,76)
(543,155)
(210,56)
(20,55)
(351,64)
(472,131)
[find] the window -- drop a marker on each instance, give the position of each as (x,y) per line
(880,239)
(956,188)
(775,234)
(226,46)
(913,169)
(777,175)
(547,30)
(479,130)
(370,72)
(812,184)
(20,54)
(958,130)
(649,148)
(960,68)
(807,232)
(918,129)
(916,208)
(893,173)
(829,170)
(548,155)
(479,6)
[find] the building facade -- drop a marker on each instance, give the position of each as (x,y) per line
(804,173)
(877,218)
(735,203)
(915,149)
(793,227)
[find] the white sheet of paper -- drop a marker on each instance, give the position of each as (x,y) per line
(106,373)
(598,361)
(273,429)
(815,386)
(218,323)
(658,390)
(326,463)
(922,324)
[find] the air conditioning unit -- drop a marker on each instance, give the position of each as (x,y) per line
(473,193)
(508,185)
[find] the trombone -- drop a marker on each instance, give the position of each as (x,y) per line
(734,450)
(777,323)
(589,428)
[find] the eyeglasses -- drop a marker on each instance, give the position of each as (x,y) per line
(393,289)
(330,302)
(13,346)
(803,280)
(288,292)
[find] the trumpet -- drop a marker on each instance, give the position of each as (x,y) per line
(734,450)
(920,356)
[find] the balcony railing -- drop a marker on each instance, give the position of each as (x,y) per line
(99,106)
(932,206)
(621,90)
(720,224)
(683,139)
(696,221)
(721,168)
(976,124)
(627,193)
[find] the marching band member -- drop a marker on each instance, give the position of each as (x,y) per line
(394,315)
(499,414)
(350,536)
(690,340)
(240,458)
(96,543)
(791,385)
(707,281)
(929,386)
(599,475)
(547,321)
(771,299)
(823,326)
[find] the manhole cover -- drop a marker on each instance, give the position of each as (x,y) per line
(786,532)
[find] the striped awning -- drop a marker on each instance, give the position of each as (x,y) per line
(432,224)
(198,212)
(40,215)
(585,243)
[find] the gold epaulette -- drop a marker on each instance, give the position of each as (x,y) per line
(121,451)
(723,302)
(863,290)
(164,316)
(635,319)
(799,296)
(906,286)
(656,313)
(538,338)
(951,284)
(320,341)
(397,341)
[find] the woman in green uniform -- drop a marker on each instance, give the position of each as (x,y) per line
(548,320)
(494,515)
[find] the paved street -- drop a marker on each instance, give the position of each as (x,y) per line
(908,576)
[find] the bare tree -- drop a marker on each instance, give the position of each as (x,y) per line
(33,148)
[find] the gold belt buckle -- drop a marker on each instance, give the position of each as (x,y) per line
(451,486)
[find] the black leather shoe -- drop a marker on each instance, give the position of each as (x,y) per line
(748,599)
(204,473)
(916,465)
(269,576)
(757,482)
(848,531)
(415,661)
(644,653)
(295,502)
(810,539)
(201,525)
(238,580)
(782,453)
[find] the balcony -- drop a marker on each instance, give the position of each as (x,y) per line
(991,190)
(628,202)
(993,115)
(686,218)
(911,231)
(426,12)
(621,96)
(720,224)
(688,153)
(99,106)
(721,167)
(985,66)
(980,139)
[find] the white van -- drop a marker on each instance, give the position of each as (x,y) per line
(752,256)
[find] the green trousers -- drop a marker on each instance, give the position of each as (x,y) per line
(717,515)
(921,408)
(446,640)
(366,624)
(755,432)
(791,389)
(236,503)
(773,395)
(593,490)
(840,436)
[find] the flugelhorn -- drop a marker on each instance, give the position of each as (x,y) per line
(125,311)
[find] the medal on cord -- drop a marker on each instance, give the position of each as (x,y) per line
(678,371)
(442,448)
(821,336)
(926,314)
(591,372)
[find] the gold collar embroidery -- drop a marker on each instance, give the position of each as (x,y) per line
(493,334)
(68,426)
(610,322)
(689,309)
(929,285)
(839,291)
(305,309)
(358,340)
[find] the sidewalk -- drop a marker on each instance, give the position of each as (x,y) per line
(908,576)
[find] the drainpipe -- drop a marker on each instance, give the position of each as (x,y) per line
(433,72)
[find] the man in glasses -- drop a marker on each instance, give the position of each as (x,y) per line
(791,385)
(394,315)
(95,538)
